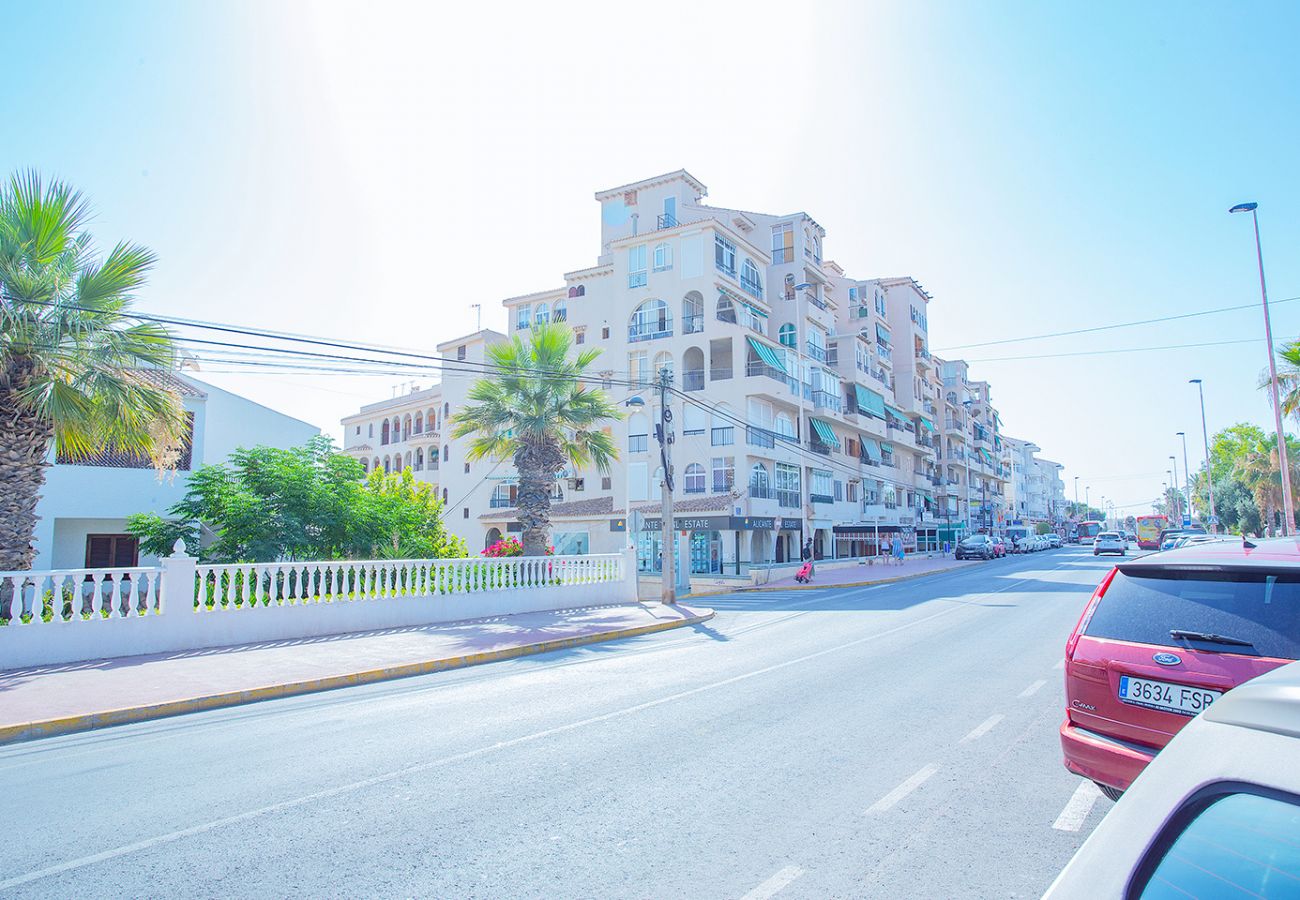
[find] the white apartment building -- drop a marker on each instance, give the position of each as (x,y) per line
(810,409)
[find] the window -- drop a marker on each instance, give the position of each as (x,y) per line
(695,479)
(370,430)
(571,543)
(578,484)
(561,311)
(446,453)
(821,485)
(663,362)
(1237,845)
(817,344)
(652,319)
(638,433)
(694,420)
(464,512)
(839,490)
(418,428)
(543,314)
(638,368)
(880,305)
(786,335)
(112,551)
(466,468)
(384,433)
(760,485)
(724,255)
(365,466)
(787,485)
(783,425)
(606,483)
(726,309)
(358,431)
(851,492)
(580,336)
(749,279)
(782,244)
(523,317)
(604,333)
(663,257)
(636,276)
(460,352)
(724,473)
(444,495)
(578,290)
(692,313)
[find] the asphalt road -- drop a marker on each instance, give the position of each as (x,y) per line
(891,741)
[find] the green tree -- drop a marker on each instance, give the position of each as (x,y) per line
(304,503)
(537,411)
(1288,379)
(70,352)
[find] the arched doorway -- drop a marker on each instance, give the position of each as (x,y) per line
(493,535)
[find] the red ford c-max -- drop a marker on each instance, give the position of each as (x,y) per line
(1162,638)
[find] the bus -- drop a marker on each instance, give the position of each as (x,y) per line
(1148,531)
(1088,531)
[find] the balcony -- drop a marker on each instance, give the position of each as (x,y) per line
(719,373)
(758,367)
(888,461)
(665,221)
(649,331)
(827,400)
(693,324)
(819,447)
(883,351)
(693,380)
(815,299)
(816,352)
(500,503)
(787,499)
(759,491)
(723,437)
(760,437)
(820,498)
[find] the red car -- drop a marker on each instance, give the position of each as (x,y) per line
(1162,638)
(999,547)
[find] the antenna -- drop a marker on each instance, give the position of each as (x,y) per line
(478,307)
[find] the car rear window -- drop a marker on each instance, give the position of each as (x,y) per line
(1260,607)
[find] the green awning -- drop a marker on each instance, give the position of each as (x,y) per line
(896,413)
(823,429)
(882,334)
(988,459)
(768,355)
(872,449)
(870,402)
(755,310)
(926,424)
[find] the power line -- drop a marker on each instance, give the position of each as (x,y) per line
(1054,334)
(1109,352)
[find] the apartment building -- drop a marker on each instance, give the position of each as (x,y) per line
(807,406)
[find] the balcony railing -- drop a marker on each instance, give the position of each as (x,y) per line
(665,221)
(500,503)
(787,499)
(723,437)
(649,331)
(816,352)
(827,400)
(759,491)
(883,351)
(820,498)
(758,367)
(719,373)
(693,380)
(819,447)
(759,437)
(693,324)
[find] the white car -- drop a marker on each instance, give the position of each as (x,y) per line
(1109,542)
(1215,814)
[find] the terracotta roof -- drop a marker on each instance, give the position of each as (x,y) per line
(597,506)
(710,503)
(168,381)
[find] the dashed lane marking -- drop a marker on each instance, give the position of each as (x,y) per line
(888,801)
(1076,811)
(775,884)
(982,729)
(1033,688)
(1060,664)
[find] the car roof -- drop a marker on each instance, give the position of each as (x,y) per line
(1270,702)
(1230,553)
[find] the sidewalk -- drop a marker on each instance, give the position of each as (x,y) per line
(880,572)
(82,696)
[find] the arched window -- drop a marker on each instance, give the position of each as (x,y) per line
(578,290)
(693,369)
(419,424)
(783,425)
(759,483)
(652,319)
(397,462)
(388,465)
(408,459)
(374,466)
(444,495)
(383,433)
(431,419)
(695,480)
(446,452)
(406,427)
(692,313)
(419,459)
(396,431)
(749,279)
(365,466)
(446,411)
(726,309)
(542,314)
(663,361)
(786,335)
(561,311)
(493,535)
(663,257)
(638,433)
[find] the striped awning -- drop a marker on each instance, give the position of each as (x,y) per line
(768,355)
(871,448)
(823,430)
(988,459)
(882,334)
(926,424)
(896,413)
(869,401)
(755,310)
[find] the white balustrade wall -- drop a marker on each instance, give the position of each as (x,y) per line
(73,615)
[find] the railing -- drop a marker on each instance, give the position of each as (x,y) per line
(693,324)
(815,351)
(665,221)
(759,437)
(78,595)
(819,447)
(832,356)
(719,374)
(500,503)
(815,300)
(758,491)
(787,499)
(820,498)
(693,380)
(883,351)
(758,367)
(827,400)
(751,287)
(723,437)
(649,331)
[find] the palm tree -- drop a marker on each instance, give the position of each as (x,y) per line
(536,410)
(1288,379)
(1259,469)
(69,352)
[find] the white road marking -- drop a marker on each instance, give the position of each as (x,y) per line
(1060,664)
(982,729)
(889,800)
(775,884)
(1081,803)
(1033,688)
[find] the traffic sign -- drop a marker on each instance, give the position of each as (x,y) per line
(1213,520)
(1187,520)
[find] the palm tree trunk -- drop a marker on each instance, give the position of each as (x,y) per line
(537,467)
(24,444)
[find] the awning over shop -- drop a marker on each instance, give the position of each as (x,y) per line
(882,334)
(870,402)
(768,355)
(871,448)
(823,429)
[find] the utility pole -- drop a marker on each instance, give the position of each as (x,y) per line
(668,571)
(1209,478)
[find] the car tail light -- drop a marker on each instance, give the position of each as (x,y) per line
(1087,614)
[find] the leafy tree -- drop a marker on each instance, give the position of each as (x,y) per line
(537,411)
(303,503)
(70,353)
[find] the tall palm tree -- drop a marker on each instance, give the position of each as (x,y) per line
(1288,379)
(69,352)
(536,410)
(1258,468)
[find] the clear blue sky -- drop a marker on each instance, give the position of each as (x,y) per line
(370,170)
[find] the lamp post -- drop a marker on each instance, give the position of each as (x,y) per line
(1173,460)
(1283,463)
(1209,478)
(631,403)
(1187,475)
(1076,497)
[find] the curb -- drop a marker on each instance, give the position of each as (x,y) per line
(11,734)
(853,584)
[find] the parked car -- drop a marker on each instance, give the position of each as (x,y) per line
(1027,544)
(1053,539)
(1162,638)
(977,546)
(1109,542)
(999,547)
(1215,814)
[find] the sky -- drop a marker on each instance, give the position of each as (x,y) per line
(370,171)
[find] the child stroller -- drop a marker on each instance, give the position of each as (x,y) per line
(804,575)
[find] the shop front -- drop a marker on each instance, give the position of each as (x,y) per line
(720,545)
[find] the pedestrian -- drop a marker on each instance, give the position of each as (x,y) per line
(898,549)
(807,556)
(947,548)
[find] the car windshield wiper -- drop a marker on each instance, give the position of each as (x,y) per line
(1208,637)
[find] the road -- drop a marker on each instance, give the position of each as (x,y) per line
(897,740)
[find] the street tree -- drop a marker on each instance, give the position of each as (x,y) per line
(70,353)
(1288,379)
(536,410)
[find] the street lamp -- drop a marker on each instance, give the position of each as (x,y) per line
(1209,478)
(631,403)
(1283,463)
(1187,475)
(1174,473)
(1076,497)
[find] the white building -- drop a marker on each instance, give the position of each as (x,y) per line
(811,407)
(84,505)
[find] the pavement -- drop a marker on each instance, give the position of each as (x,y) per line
(882,571)
(887,740)
(44,701)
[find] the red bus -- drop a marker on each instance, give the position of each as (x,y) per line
(1088,531)
(1148,531)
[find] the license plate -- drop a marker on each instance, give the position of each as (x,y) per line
(1179,698)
